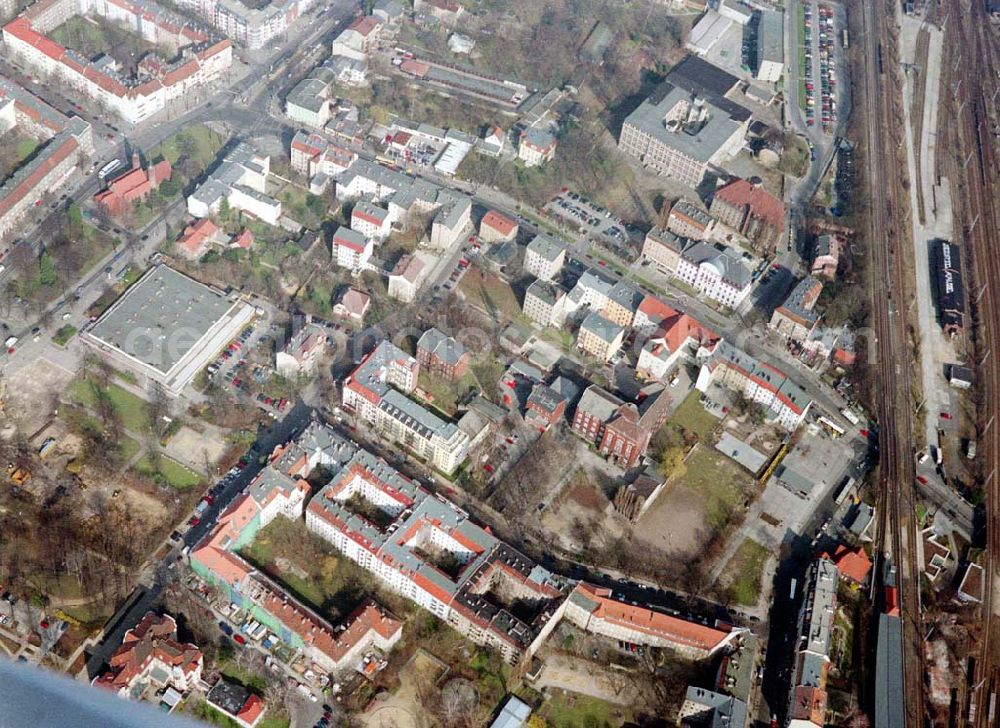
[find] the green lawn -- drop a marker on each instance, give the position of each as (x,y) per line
(133,411)
(25,148)
(321,579)
(573,710)
(743,573)
(198,143)
(128,447)
(691,416)
(445,393)
(173,473)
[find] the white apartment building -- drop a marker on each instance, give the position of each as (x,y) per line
(250,27)
(371,220)
(717,272)
(241,180)
(544,258)
(351,249)
(406,277)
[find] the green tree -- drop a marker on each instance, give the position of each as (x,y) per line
(667,448)
(225,211)
(46,270)
(170,188)
(74,218)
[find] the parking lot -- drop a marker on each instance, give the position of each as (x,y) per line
(590,217)
(821,57)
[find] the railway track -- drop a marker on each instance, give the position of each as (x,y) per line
(974,46)
(888,236)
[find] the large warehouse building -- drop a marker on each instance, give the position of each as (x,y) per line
(167,327)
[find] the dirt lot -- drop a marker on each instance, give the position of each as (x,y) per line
(698,505)
(403,709)
(29,391)
(582,516)
(195,449)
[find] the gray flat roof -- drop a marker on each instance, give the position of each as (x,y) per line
(700,143)
(770,37)
(161,318)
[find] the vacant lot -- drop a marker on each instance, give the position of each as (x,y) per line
(740,580)
(698,505)
(489,293)
(692,417)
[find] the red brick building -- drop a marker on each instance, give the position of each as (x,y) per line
(442,355)
(132,187)
(752,211)
(620,430)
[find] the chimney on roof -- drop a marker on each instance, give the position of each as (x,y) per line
(135,160)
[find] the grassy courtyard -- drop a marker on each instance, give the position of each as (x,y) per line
(198,143)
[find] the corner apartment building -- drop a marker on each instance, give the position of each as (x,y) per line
(376,391)
(202,57)
(406,277)
(314,156)
(717,272)
(730,367)
(250,27)
(677,338)
(752,211)
(680,135)
(64,144)
(429,551)
(594,609)
(795,319)
(281,489)
(495,227)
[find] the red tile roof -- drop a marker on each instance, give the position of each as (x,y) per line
(654,623)
(763,205)
(852,564)
(656,310)
(252,709)
(365,26)
(501,223)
